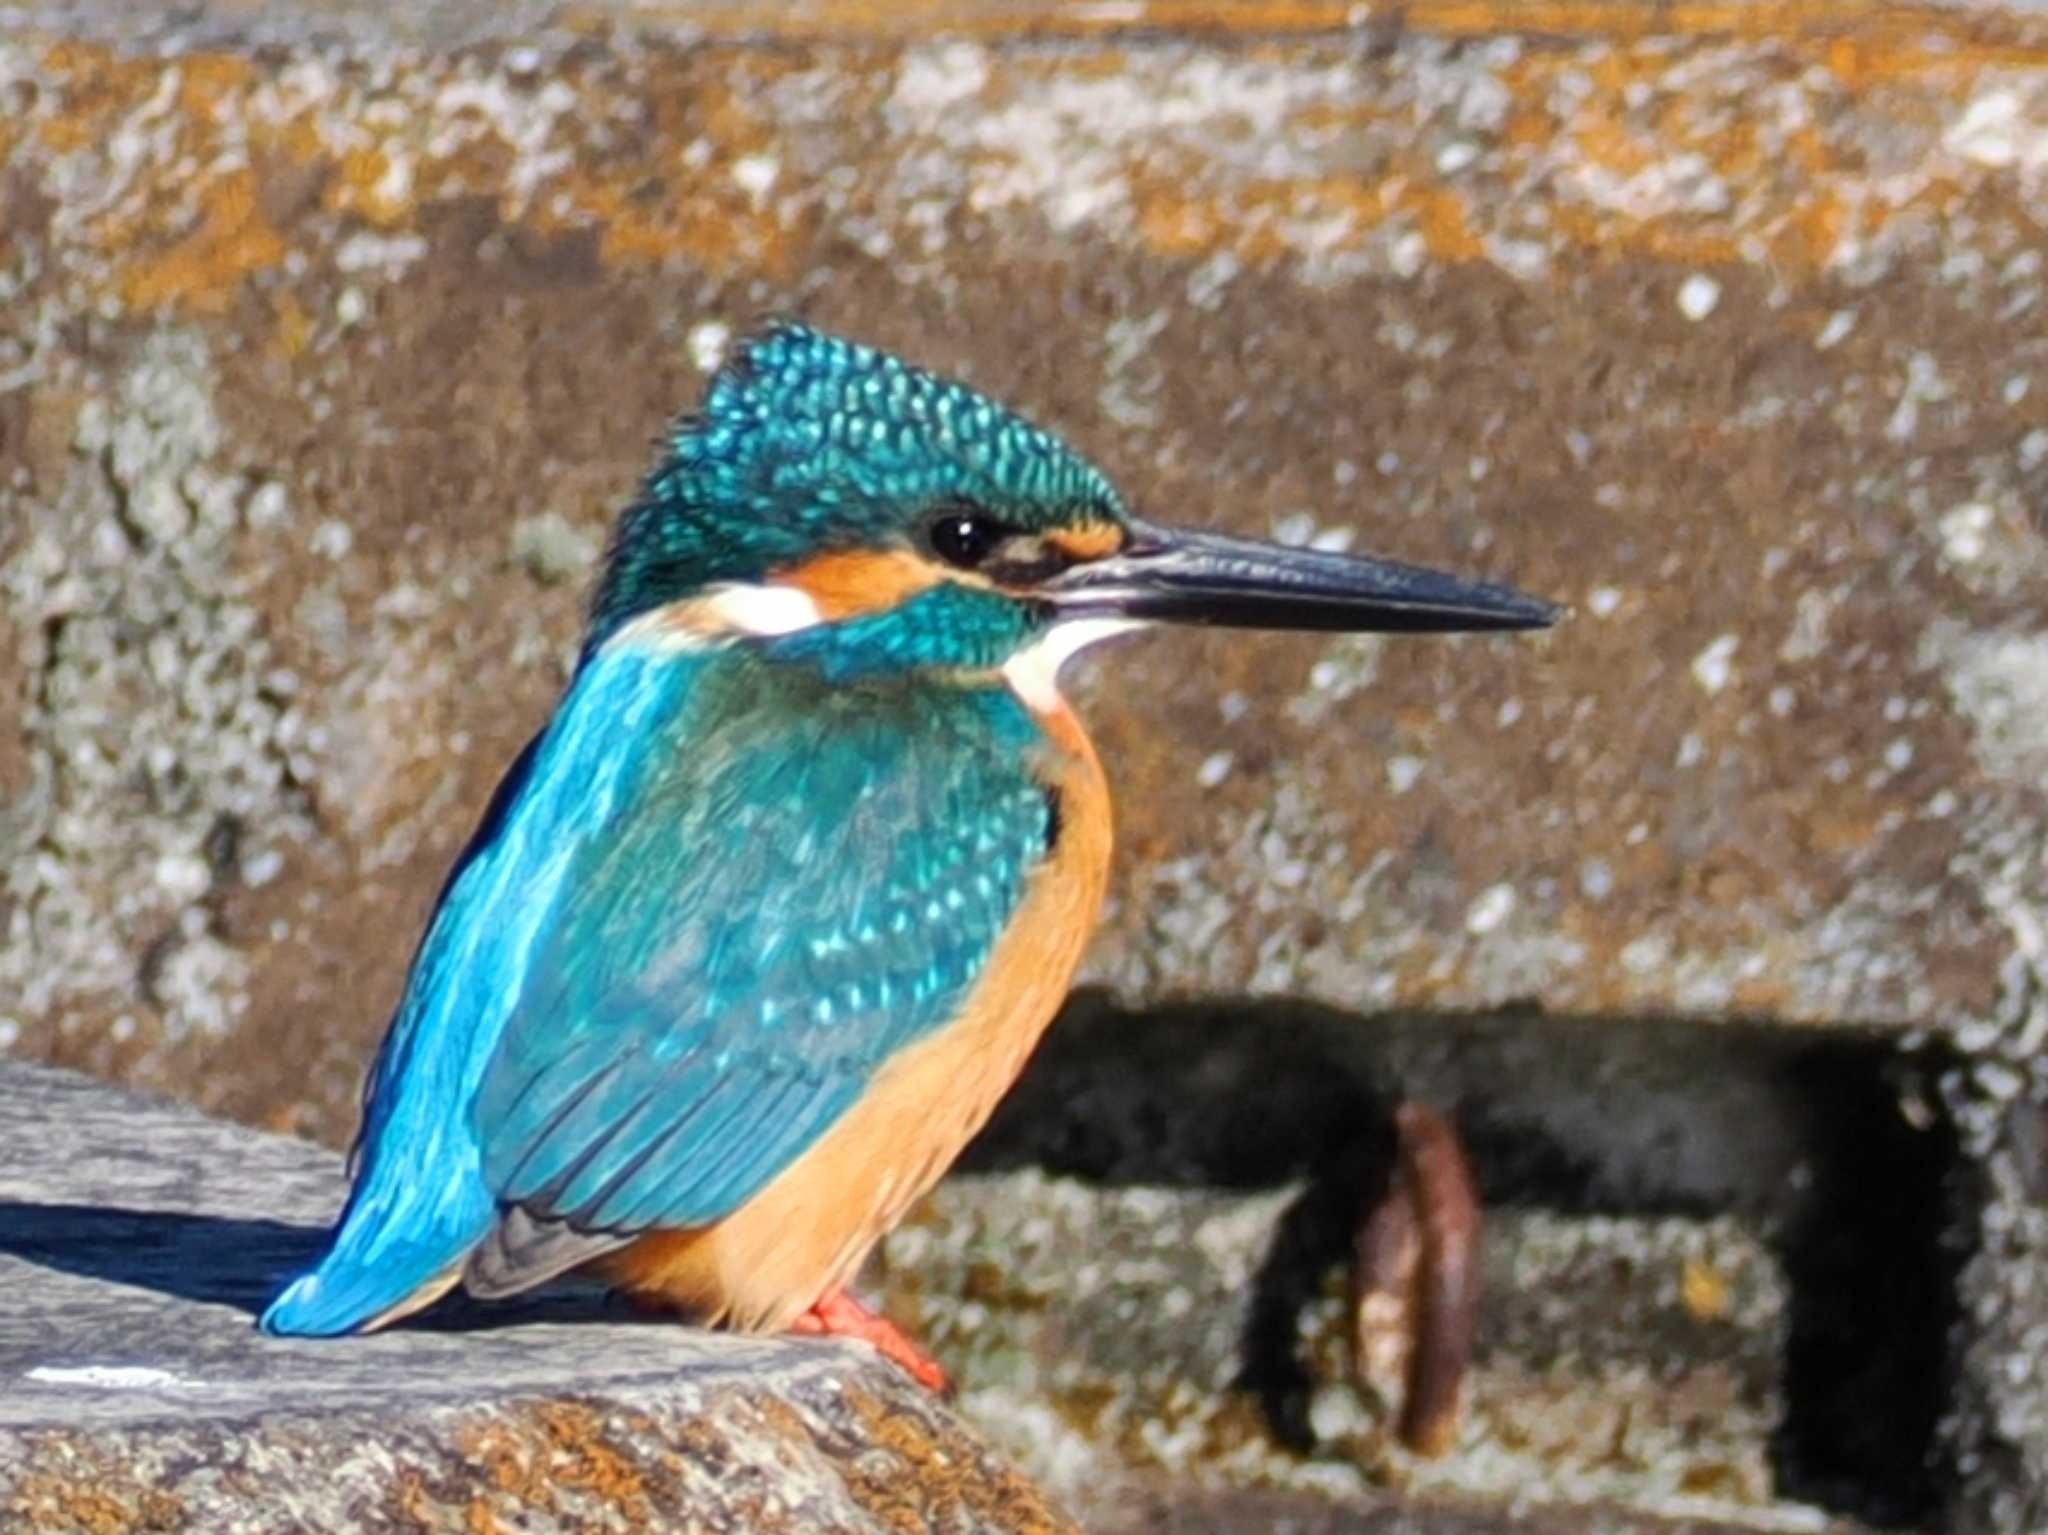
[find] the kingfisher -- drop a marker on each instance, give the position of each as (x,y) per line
(758,929)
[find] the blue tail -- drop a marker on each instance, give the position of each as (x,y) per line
(361,1280)
(418,1203)
(418,1206)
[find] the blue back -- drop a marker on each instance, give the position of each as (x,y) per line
(809,878)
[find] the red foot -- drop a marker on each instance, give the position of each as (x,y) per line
(839,1315)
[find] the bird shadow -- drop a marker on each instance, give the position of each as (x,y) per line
(239,1263)
(207,1259)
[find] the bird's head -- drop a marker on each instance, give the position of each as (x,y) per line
(833,504)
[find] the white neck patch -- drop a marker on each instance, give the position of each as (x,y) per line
(760,610)
(719,615)
(1034,672)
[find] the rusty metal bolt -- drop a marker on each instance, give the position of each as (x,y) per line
(1415,1282)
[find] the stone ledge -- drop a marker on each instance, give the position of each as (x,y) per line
(136,1242)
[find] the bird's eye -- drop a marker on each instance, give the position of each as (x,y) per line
(966,537)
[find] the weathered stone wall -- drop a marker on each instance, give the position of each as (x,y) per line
(325,375)
(330,343)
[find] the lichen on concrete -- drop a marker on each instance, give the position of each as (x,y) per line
(156,729)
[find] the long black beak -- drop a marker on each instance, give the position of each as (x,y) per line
(1180,576)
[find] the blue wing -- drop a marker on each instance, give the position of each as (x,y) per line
(718,896)
(778,912)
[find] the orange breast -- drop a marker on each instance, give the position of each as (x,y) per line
(808,1231)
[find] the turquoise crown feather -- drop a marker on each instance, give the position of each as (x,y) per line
(807,443)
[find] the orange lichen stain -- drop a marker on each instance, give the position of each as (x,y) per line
(1795,198)
(1804,148)
(1602,140)
(2018,40)
(977,19)
(95,88)
(1704,1291)
(1175,225)
(208,83)
(294,327)
(1813,233)
(530,1457)
(584,1458)
(1901,38)
(652,222)
(412,1505)
(1791,196)
(1096,64)
(365,185)
(924,1473)
(201,271)
(1323,118)
(1685,244)
(1527,129)
(648,210)
(1844,60)
(1792,190)
(297,140)
(1251,219)
(1441,219)
(94,1504)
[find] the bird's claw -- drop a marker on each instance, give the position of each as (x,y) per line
(839,1315)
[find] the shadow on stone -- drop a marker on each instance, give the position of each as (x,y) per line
(211,1259)
(1315,1232)
(226,1261)
(1874,1275)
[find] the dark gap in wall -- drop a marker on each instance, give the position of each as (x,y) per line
(1801,1134)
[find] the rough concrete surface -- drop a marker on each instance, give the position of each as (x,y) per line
(137,1241)
(330,341)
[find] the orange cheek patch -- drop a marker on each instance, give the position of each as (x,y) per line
(849,582)
(1089,541)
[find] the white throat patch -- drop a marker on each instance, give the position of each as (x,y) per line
(1034,672)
